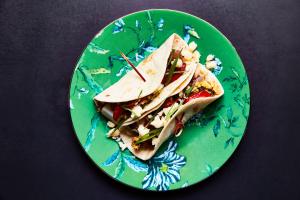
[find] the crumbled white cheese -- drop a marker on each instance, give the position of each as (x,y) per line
(210,57)
(115,138)
(192,46)
(142,130)
(187,55)
(154,141)
(211,64)
(181,101)
(122,146)
(150,116)
(113,133)
(136,112)
(157,122)
(110,124)
(109,133)
(160,113)
(121,143)
(181,94)
(179,62)
(196,55)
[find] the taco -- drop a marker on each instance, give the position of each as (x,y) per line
(166,69)
(144,137)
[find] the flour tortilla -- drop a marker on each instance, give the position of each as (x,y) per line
(187,110)
(153,68)
(156,102)
(131,87)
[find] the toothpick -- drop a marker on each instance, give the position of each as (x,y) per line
(133,67)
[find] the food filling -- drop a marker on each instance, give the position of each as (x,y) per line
(146,131)
(176,67)
(154,122)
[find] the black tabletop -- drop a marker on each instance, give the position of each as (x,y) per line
(40,42)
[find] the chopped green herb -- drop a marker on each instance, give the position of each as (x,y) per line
(189,90)
(172,111)
(119,124)
(130,110)
(171,56)
(177,72)
(148,136)
(140,95)
(125,108)
(152,118)
(171,71)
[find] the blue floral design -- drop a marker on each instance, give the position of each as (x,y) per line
(160,24)
(218,69)
(82,91)
(237,82)
(163,169)
(135,164)
(149,49)
(144,47)
(187,36)
(111,159)
(228,142)
(91,133)
(138,57)
(123,71)
(209,170)
(93,48)
(90,80)
(243,103)
(138,25)
(123,158)
(204,117)
(119,26)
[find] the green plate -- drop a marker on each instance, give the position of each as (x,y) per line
(209,138)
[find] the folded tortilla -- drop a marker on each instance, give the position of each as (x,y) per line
(153,69)
(185,112)
(131,87)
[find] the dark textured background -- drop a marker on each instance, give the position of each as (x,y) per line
(40,42)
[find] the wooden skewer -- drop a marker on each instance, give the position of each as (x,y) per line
(133,67)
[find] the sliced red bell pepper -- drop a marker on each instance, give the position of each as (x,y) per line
(118,111)
(178,69)
(175,77)
(178,124)
(169,102)
(202,93)
(182,68)
(131,104)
